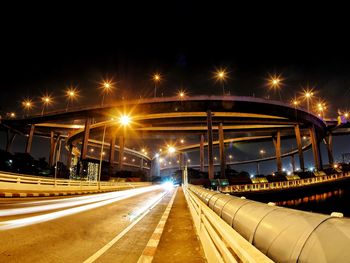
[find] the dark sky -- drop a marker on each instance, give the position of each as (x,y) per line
(47,47)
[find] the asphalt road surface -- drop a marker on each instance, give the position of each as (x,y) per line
(108,227)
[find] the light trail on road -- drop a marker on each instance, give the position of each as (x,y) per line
(88,204)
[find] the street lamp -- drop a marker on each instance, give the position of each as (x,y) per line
(156,79)
(107,87)
(275,83)
(71,95)
(221,75)
(46,100)
(181,94)
(308,96)
(27,105)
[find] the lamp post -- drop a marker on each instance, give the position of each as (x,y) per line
(221,76)
(156,80)
(275,83)
(107,87)
(308,96)
(101,156)
(47,100)
(71,95)
(27,105)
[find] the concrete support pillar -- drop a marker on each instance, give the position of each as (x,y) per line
(222,151)
(201,154)
(85,143)
(111,154)
(30,139)
(69,157)
(210,145)
(300,147)
(53,142)
(293,162)
(277,144)
(141,163)
(315,148)
(121,152)
(9,140)
(329,140)
(181,161)
(257,168)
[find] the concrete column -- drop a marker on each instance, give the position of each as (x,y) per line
(111,154)
(293,163)
(69,157)
(9,140)
(315,148)
(53,142)
(277,144)
(141,164)
(257,168)
(181,161)
(222,151)
(30,139)
(300,147)
(201,154)
(210,145)
(121,152)
(329,140)
(85,143)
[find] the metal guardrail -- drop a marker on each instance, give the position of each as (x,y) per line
(282,234)
(25,182)
(282,185)
(221,243)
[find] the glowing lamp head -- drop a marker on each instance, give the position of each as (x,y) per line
(156,77)
(12,115)
(171,149)
(124,120)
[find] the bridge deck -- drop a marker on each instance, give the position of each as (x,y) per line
(179,242)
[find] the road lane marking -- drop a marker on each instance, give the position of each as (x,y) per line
(100,252)
(151,247)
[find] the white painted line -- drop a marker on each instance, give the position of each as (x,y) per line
(153,243)
(121,234)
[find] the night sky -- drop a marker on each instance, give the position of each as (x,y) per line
(47,47)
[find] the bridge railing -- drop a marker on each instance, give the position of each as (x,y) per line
(12,181)
(282,185)
(221,243)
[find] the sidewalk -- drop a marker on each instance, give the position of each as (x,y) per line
(179,242)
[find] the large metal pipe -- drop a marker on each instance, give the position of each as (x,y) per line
(283,234)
